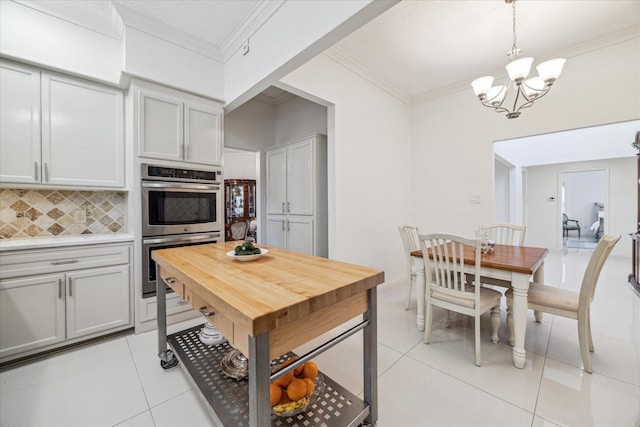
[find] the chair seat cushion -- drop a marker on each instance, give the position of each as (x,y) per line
(488,297)
(549,296)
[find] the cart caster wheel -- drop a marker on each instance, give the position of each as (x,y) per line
(170,364)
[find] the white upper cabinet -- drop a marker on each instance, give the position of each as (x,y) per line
(20,145)
(82,133)
(160,127)
(58,130)
(178,128)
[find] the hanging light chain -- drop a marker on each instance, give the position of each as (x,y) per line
(513,54)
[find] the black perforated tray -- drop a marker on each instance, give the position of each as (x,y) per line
(229,398)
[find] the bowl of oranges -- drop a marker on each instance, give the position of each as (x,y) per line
(296,391)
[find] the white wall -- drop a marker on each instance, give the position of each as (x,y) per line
(280,45)
(544,227)
(241,164)
(452,146)
(166,63)
(42,39)
(501,199)
(299,117)
(369,150)
(422,164)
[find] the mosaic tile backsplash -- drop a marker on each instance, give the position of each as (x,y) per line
(49,213)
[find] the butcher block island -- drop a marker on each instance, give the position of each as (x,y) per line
(265,308)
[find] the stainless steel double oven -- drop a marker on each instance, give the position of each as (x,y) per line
(180,207)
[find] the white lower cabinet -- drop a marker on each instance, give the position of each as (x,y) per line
(87,294)
(97,300)
(32,313)
(292,233)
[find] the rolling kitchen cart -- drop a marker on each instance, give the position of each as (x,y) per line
(265,308)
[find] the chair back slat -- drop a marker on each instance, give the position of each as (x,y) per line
(596,262)
(409,235)
(505,234)
(443,255)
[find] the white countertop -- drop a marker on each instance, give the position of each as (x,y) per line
(52,242)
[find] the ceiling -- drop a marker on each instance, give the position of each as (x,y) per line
(419,49)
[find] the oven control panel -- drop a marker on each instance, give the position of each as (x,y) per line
(165,173)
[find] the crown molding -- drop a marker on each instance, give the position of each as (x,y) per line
(346,60)
(141,22)
(109,24)
(260,14)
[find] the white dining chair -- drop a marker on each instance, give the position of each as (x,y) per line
(410,243)
(447,287)
(573,305)
(505,234)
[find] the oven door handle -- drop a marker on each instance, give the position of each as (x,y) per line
(177,186)
(177,239)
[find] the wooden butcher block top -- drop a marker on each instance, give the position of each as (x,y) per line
(278,288)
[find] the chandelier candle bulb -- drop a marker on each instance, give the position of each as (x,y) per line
(524,92)
(481,85)
(518,69)
(550,70)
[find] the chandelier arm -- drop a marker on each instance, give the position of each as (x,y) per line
(530,101)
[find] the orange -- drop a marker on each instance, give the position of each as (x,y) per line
(284,398)
(296,371)
(310,386)
(285,379)
(296,389)
(275,393)
(310,370)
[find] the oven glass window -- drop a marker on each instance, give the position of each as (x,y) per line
(177,208)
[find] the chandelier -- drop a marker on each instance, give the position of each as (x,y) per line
(525,91)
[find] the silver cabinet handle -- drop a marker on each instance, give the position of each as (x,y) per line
(169,280)
(65,261)
(283,225)
(36,172)
(70,287)
(283,210)
(206,313)
(288,207)
(288,225)
(60,296)
(46,172)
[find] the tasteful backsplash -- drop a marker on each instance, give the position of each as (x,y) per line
(48,213)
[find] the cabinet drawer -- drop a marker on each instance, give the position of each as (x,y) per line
(172,282)
(34,262)
(224,324)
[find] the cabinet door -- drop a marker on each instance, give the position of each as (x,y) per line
(160,126)
(32,312)
(97,300)
(300,235)
(300,183)
(203,134)
(277,232)
(276,181)
(19,124)
(82,133)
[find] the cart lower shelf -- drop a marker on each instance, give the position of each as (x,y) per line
(229,398)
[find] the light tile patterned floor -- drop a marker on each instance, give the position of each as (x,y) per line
(120,382)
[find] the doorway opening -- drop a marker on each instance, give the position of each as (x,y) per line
(583,196)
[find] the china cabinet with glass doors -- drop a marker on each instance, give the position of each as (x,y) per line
(240,203)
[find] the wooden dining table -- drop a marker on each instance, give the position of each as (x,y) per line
(513,265)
